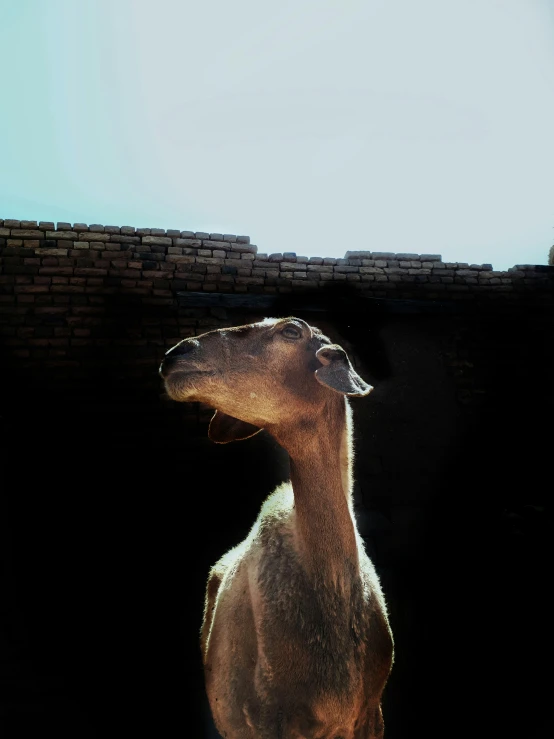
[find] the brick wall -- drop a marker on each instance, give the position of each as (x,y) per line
(65,289)
(79,260)
(109,485)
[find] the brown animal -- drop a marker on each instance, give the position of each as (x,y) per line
(295,640)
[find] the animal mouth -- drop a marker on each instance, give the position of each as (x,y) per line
(175,370)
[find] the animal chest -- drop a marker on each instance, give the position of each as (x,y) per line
(311,632)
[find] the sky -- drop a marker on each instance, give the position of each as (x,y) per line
(312,126)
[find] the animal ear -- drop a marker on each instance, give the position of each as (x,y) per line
(337,372)
(224,428)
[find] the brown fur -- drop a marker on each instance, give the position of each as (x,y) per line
(295,640)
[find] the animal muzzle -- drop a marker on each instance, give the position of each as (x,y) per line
(178,356)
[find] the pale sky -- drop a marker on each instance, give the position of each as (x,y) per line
(312,126)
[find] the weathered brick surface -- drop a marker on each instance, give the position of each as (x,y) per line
(96,285)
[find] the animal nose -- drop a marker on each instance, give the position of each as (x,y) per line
(175,353)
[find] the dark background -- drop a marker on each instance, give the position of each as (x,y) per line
(115,505)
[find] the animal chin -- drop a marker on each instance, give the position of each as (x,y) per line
(184,384)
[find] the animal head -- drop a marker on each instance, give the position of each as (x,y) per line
(262,375)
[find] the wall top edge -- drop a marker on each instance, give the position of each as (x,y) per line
(27,229)
(125,230)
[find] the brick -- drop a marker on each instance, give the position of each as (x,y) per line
(320,268)
(32,289)
(243,239)
(229,237)
(26,233)
(210,260)
(67,289)
(20,269)
(180,259)
(305,284)
(275,258)
(55,271)
(90,271)
(159,240)
(243,248)
(46,225)
(53,252)
(121,254)
(357,254)
(12,223)
(249,281)
(383,255)
(87,236)
(164,274)
(62,235)
(343,268)
(190,243)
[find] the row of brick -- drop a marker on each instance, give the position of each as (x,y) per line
(79,264)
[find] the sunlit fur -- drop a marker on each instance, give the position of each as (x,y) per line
(295,638)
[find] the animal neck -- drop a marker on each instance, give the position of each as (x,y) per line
(321,477)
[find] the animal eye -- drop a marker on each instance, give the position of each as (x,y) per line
(292,332)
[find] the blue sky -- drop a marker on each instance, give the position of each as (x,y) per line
(312,126)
